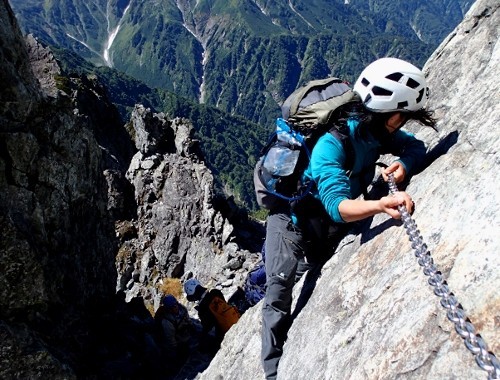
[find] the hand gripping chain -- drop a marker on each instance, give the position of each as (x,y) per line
(485,359)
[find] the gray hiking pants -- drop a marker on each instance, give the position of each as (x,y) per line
(285,251)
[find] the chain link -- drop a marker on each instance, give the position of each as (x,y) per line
(485,359)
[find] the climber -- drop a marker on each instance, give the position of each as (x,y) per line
(176,329)
(213,310)
(391,92)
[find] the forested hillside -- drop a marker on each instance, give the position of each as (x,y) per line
(242,56)
(239,59)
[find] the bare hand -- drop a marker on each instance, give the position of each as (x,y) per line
(397,169)
(390,204)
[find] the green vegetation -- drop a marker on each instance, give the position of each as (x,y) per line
(239,58)
(247,56)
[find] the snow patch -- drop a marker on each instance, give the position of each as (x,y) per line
(262,9)
(83,43)
(112,33)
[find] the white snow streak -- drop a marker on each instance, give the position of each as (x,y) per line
(112,33)
(262,9)
(204,54)
(298,14)
(83,43)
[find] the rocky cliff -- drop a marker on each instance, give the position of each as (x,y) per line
(58,241)
(371,313)
(181,227)
(89,206)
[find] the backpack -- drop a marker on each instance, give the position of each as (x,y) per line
(309,112)
(225,314)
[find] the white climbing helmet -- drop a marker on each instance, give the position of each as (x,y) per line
(391,84)
(190,286)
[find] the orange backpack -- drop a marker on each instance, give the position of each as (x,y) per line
(225,314)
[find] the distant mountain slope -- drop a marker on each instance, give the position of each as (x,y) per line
(242,56)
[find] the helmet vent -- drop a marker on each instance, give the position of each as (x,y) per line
(420,95)
(365,82)
(394,77)
(379,91)
(412,83)
(402,105)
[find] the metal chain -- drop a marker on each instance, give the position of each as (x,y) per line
(485,359)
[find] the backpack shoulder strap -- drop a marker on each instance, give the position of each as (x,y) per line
(341,133)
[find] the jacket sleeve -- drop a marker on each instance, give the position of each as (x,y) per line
(408,148)
(327,161)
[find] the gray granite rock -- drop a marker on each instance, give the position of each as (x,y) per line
(179,229)
(372,314)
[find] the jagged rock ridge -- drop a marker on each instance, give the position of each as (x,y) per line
(181,227)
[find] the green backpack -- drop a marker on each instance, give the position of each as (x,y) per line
(309,112)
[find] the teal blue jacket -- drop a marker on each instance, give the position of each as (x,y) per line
(328,161)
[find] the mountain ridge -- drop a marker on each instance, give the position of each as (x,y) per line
(201,49)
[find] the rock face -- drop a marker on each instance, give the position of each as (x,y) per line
(78,201)
(372,314)
(18,97)
(180,228)
(57,242)
(58,136)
